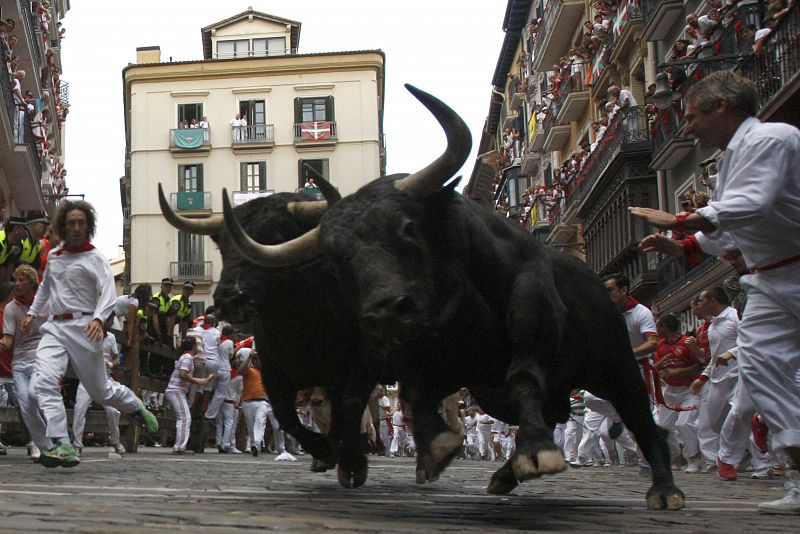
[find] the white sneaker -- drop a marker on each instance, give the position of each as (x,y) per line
(3,449)
(119,448)
(707,467)
(34,452)
(789,503)
(285,457)
(233,450)
(693,468)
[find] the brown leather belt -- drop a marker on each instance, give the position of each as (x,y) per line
(70,316)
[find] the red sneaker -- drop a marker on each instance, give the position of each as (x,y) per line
(760,432)
(726,471)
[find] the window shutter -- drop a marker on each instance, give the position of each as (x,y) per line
(242,176)
(298,110)
(300,179)
(181,178)
(200,178)
(329,116)
(262,176)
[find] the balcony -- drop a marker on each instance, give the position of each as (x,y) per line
(574,96)
(560,232)
(669,147)
(675,273)
(315,133)
(254,136)
(658,17)
(559,21)
(190,270)
(554,135)
(774,70)
(189,140)
(626,138)
(198,202)
(625,30)
(63,94)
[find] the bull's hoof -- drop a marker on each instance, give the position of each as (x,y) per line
(352,478)
(547,462)
(442,450)
(665,498)
(320,466)
(502,481)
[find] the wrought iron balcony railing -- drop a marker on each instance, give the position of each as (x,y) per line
(253,134)
(189,138)
(190,200)
(190,270)
(674,273)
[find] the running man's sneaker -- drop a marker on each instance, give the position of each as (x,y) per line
(254,450)
(790,503)
(3,449)
(285,457)
(63,455)
(146,418)
(34,452)
(119,448)
(726,471)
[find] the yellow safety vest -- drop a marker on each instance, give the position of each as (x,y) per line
(5,247)
(30,251)
(163,303)
(185,307)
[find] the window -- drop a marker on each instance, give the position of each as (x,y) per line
(253,176)
(187,112)
(313,109)
(190,178)
(198,308)
(255,111)
(190,255)
(312,169)
(234,48)
(274,46)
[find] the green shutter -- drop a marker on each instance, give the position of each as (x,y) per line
(329,116)
(262,176)
(298,109)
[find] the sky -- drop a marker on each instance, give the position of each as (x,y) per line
(448,48)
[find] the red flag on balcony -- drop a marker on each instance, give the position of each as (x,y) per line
(316,130)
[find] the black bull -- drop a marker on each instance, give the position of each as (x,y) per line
(302,340)
(455,295)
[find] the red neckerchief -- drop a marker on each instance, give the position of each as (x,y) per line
(25,301)
(205,326)
(223,338)
(630,304)
(83,247)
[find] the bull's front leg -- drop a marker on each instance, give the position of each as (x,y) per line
(436,443)
(535,321)
(346,414)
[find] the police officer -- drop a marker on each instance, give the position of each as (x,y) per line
(10,245)
(180,310)
(162,298)
(31,244)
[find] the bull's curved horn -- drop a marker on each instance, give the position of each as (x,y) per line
(429,180)
(311,212)
(209,226)
(295,251)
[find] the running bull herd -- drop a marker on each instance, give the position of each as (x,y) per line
(406,280)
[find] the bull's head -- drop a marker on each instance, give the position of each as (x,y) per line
(386,240)
(275,219)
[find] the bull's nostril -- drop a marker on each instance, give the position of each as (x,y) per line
(404,305)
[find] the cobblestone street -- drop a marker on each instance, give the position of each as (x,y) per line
(155,492)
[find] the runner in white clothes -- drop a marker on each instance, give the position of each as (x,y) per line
(79,288)
(176,391)
(24,348)
(83,401)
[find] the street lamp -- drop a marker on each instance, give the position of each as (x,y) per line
(663,96)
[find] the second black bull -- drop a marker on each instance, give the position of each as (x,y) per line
(455,295)
(303,337)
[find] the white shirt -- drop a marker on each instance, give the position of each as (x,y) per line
(122,305)
(721,339)
(640,324)
(110,350)
(226,350)
(24,344)
(385,406)
(397,418)
(471,424)
(235,388)
(756,202)
(211,347)
(176,383)
(626,96)
(79,282)
(485,422)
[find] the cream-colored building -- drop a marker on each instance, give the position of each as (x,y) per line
(308,115)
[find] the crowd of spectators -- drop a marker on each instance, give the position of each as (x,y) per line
(35,115)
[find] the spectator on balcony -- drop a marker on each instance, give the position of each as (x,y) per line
(761,36)
(6,27)
(747,38)
(22,106)
(236,125)
(708,30)
(11,44)
(193,123)
(691,31)
(204,123)
(752,220)
(185,125)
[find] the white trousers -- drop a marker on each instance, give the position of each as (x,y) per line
(680,424)
(82,403)
(769,351)
(219,386)
(472,444)
(558,435)
(28,405)
(278,434)
(485,444)
(386,437)
(572,437)
(398,441)
(183,417)
(65,342)
(226,432)
(715,404)
(255,418)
